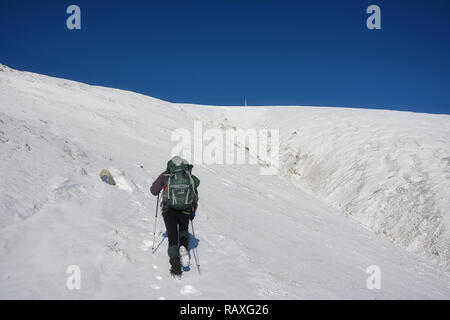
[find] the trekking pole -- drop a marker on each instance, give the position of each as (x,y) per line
(154,230)
(197,260)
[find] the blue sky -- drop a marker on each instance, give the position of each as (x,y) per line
(219,52)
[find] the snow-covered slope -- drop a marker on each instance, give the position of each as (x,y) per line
(257,236)
(388,170)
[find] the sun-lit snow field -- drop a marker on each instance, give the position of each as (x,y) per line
(356,188)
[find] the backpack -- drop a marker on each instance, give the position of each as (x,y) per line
(179,186)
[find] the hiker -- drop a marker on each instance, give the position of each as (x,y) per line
(179,203)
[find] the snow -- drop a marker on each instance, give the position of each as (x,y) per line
(388,170)
(356,188)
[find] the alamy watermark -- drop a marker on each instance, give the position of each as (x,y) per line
(374,20)
(73,22)
(73,282)
(229,146)
(374,280)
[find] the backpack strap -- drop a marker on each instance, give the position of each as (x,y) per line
(192,181)
(169,175)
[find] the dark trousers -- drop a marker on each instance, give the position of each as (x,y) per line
(177,225)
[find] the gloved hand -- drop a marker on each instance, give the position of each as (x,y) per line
(192,215)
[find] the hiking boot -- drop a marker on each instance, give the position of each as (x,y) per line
(176,272)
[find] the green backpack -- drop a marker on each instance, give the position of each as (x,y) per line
(179,185)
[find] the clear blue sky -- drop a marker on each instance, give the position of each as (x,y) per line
(218,52)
